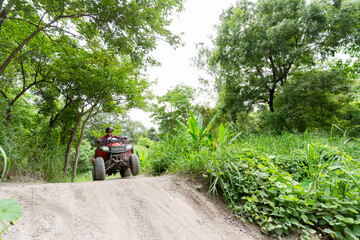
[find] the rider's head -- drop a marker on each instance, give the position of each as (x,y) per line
(109,131)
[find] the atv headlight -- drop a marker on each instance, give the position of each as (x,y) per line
(105,148)
(129,147)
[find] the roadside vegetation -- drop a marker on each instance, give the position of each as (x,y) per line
(283,149)
(285,183)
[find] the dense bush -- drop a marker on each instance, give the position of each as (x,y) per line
(261,192)
(167,154)
(145,142)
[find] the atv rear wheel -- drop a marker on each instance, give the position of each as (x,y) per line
(99,169)
(125,173)
(134,164)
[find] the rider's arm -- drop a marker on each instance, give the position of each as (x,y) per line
(103,138)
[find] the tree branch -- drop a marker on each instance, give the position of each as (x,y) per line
(4,12)
(4,94)
(24,90)
(31,36)
(23,73)
(23,20)
(274,70)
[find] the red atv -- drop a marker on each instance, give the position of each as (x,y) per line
(115,155)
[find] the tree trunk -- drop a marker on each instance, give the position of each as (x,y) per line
(78,145)
(8,117)
(271,100)
(71,140)
(78,149)
(76,126)
(80,140)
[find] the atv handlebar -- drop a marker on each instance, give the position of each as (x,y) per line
(123,140)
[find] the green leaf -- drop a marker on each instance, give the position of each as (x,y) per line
(350,233)
(295,221)
(304,217)
(344,219)
(279,231)
(356,231)
(10,210)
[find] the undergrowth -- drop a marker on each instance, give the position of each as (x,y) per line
(283,183)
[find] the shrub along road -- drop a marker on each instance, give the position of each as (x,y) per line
(166,207)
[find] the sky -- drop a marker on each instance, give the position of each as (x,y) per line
(197,23)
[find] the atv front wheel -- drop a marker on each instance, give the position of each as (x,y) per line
(125,173)
(93,174)
(135,164)
(99,169)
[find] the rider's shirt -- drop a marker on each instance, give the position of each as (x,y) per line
(106,137)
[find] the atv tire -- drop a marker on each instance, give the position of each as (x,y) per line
(134,164)
(93,174)
(99,169)
(125,173)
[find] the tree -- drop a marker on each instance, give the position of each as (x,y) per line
(152,134)
(260,45)
(212,83)
(312,99)
(37,31)
(175,104)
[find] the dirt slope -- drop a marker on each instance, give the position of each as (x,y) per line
(165,207)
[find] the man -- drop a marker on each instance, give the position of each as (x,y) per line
(109,131)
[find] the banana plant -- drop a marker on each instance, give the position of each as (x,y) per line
(223,137)
(196,129)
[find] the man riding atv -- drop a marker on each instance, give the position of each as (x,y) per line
(114,154)
(109,131)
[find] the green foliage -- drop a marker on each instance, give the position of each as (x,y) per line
(122,125)
(197,131)
(273,55)
(86,153)
(145,142)
(263,193)
(175,104)
(53,81)
(98,133)
(167,154)
(311,99)
(10,211)
(284,183)
(153,135)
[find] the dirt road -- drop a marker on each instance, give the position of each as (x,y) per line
(166,207)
